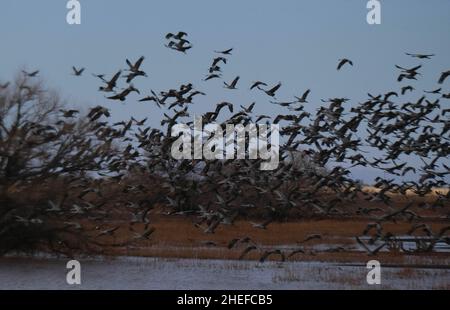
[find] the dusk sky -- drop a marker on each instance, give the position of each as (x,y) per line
(296,42)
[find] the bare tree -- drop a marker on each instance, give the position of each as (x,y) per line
(41,143)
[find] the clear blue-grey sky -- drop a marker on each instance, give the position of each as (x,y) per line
(296,42)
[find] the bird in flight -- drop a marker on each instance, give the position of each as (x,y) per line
(111,84)
(257,84)
(344,61)
(177,42)
(272,92)
(444,75)
(217,60)
(179,46)
(247,250)
(269,253)
(436,91)
(411,70)
(180,35)
(310,238)
(225,52)
(135,67)
(146,234)
(248,109)
(31,74)
(212,76)
(302,99)
(233,84)
(100,76)
(77,72)
(123,95)
(263,225)
(108,232)
(135,70)
(153,98)
(409,74)
(421,56)
(407,88)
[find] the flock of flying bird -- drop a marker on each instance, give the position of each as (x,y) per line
(338,137)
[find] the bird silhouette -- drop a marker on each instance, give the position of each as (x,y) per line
(343,62)
(272,91)
(225,52)
(303,98)
(246,251)
(111,84)
(421,56)
(122,96)
(443,76)
(180,35)
(266,255)
(233,84)
(257,84)
(30,74)
(77,72)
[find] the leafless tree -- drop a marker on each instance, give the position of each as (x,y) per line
(40,143)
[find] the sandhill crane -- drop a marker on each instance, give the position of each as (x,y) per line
(257,84)
(311,237)
(303,98)
(443,76)
(180,35)
(77,72)
(421,56)
(273,252)
(271,92)
(108,232)
(225,52)
(30,74)
(436,91)
(217,60)
(262,225)
(342,62)
(297,251)
(123,95)
(247,250)
(110,85)
(146,234)
(248,109)
(135,67)
(212,76)
(407,88)
(233,84)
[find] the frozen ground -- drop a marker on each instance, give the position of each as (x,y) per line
(154,273)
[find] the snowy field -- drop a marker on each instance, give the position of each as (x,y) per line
(154,273)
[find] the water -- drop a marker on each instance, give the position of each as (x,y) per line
(176,274)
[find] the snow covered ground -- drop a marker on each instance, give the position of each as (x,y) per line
(154,273)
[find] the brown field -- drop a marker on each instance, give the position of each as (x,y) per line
(177,237)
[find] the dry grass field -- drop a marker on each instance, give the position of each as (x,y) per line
(177,237)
